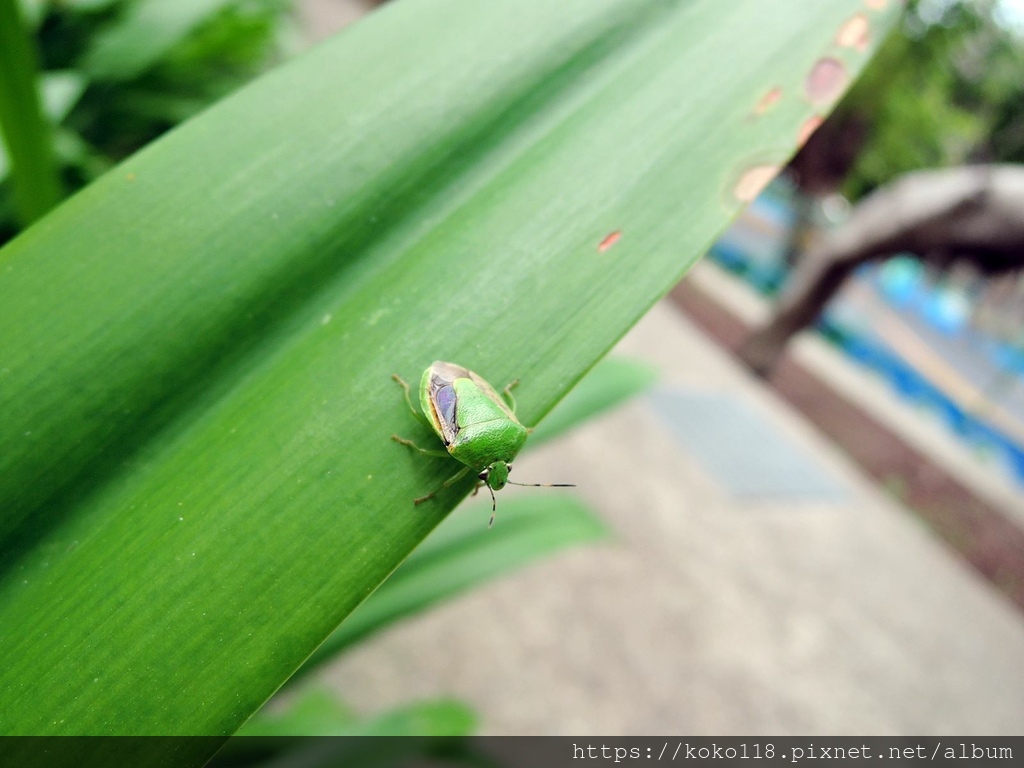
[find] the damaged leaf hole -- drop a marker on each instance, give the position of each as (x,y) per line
(825,81)
(807,128)
(767,101)
(609,241)
(753,181)
(855,33)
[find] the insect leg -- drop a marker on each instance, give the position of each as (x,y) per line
(507,391)
(411,444)
(408,400)
(447,483)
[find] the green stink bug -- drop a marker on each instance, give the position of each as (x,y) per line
(475,424)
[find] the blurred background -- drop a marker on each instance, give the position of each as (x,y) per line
(860,324)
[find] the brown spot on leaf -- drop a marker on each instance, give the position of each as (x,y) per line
(855,33)
(753,181)
(129,177)
(609,241)
(809,126)
(826,80)
(768,100)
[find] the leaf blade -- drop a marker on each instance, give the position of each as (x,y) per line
(460,554)
(611,382)
(198,479)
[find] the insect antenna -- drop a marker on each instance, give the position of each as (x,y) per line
(494,501)
(494,505)
(543,485)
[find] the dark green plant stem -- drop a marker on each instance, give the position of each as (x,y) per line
(27,135)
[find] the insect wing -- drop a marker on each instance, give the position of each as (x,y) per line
(439,399)
(444,399)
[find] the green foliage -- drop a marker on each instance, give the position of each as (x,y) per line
(318,713)
(611,382)
(23,128)
(946,88)
(118,73)
(197,483)
(462,553)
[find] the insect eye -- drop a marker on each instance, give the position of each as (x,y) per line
(483,475)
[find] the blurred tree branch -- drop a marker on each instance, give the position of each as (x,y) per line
(975,213)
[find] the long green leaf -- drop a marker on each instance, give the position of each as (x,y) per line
(148,30)
(60,91)
(25,131)
(611,382)
(462,553)
(318,713)
(197,480)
